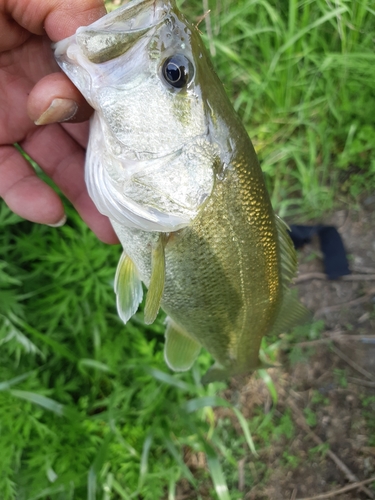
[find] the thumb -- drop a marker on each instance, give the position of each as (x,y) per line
(57,18)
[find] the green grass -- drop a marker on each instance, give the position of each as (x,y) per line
(88,409)
(301,75)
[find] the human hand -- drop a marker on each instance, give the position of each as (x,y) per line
(32,88)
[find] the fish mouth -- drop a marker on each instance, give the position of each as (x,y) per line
(113,34)
(80,56)
(136,14)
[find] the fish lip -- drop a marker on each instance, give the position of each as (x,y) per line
(118,21)
(147,17)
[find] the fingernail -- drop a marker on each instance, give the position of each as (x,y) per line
(60,110)
(60,223)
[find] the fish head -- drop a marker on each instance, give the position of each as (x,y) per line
(151,160)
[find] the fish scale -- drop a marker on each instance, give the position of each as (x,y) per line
(171,165)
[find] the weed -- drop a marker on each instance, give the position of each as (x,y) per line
(290,461)
(318,398)
(341,377)
(272,427)
(318,451)
(310,417)
(296,341)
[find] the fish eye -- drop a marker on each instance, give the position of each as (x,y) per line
(177,71)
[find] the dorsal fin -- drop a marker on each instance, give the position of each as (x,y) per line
(288,254)
(156,288)
(292,312)
(128,288)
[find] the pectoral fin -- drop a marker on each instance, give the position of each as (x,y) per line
(155,290)
(180,349)
(128,288)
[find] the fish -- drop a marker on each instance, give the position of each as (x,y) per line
(172,166)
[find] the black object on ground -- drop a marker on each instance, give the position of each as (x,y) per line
(335,261)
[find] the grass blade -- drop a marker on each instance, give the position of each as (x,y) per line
(169,379)
(292,40)
(144,460)
(218,478)
(270,385)
(211,401)
(120,490)
(96,467)
(246,430)
(44,402)
(58,348)
(7,384)
(177,456)
(95,365)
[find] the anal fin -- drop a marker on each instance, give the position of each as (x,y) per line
(156,288)
(128,288)
(292,313)
(180,349)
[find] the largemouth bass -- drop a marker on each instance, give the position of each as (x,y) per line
(171,165)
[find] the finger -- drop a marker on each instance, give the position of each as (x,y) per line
(62,159)
(55,99)
(11,34)
(78,131)
(63,21)
(59,19)
(24,192)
